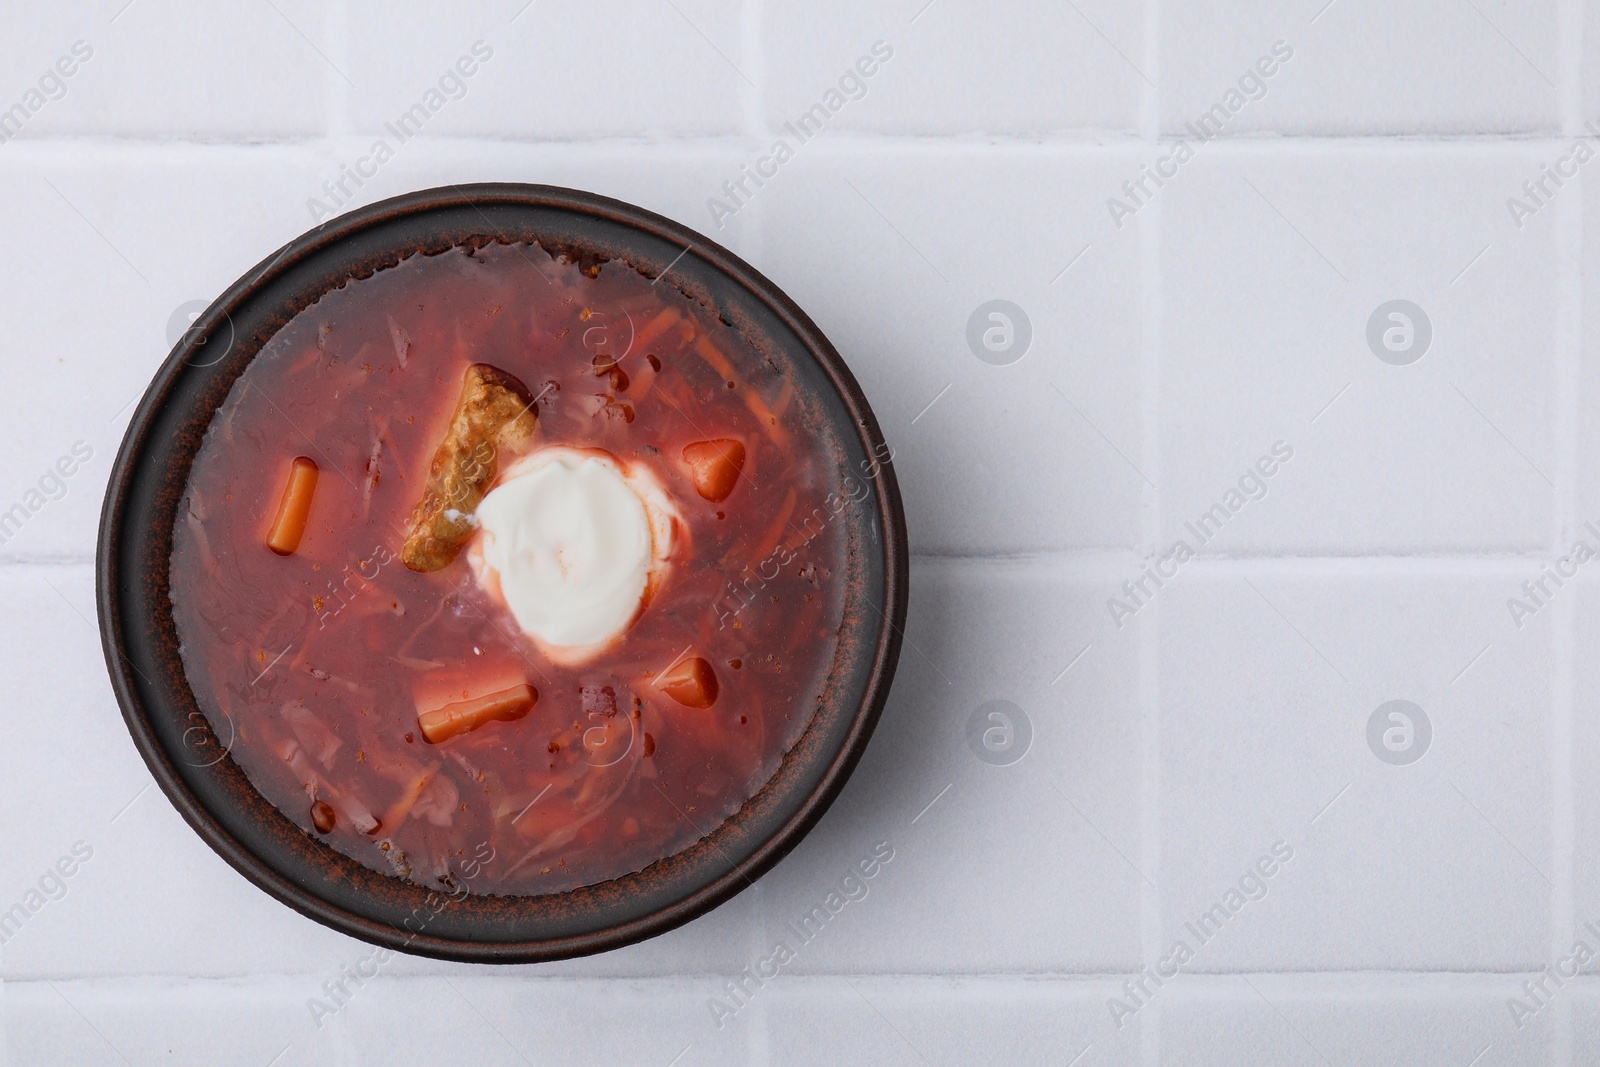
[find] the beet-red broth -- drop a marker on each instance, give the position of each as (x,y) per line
(318,662)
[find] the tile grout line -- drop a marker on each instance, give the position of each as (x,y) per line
(1570,23)
(758,1035)
(1339,982)
(1563,839)
(5,1016)
(1150,92)
(753,57)
(1150,299)
(336,122)
(1569,452)
(1087,139)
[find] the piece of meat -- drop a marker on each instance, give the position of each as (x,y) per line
(495,413)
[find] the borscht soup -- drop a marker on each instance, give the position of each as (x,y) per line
(509,571)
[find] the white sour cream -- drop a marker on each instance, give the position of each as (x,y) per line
(571,541)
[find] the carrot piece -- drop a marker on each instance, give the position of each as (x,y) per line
(720,363)
(715,467)
(295,507)
(713,355)
(691,682)
(765,547)
(655,328)
(785,395)
(507,705)
(408,798)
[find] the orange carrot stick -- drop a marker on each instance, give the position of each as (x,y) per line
(713,355)
(655,328)
(785,395)
(295,507)
(507,705)
(758,407)
(769,542)
(408,798)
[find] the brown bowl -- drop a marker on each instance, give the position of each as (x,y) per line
(190,761)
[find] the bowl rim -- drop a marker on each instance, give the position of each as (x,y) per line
(112,585)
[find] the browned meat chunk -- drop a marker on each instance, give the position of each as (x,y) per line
(495,413)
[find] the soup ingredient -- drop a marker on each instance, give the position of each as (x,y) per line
(507,705)
(495,412)
(323,816)
(720,363)
(663,320)
(569,539)
(397,812)
(691,682)
(715,467)
(294,508)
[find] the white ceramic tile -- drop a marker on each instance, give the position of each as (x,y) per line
(1362,66)
(150,231)
(1267,688)
(1583,602)
(923,1021)
(493,1019)
(1590,79)
(1585,1026)
(954,66)
(154,1020)
(555,71)
(1315,1022)
(1584,225)
(387,1020)
(183,70)
(1041,453)
(1274,264)
(1029,866)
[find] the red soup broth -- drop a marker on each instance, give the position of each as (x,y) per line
(318,662)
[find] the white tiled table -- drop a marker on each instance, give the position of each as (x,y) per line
(1227,714)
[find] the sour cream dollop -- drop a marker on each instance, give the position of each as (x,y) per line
(572,541)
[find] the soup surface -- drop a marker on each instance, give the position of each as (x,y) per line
(319,653)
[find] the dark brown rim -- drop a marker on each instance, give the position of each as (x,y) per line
(158,707)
